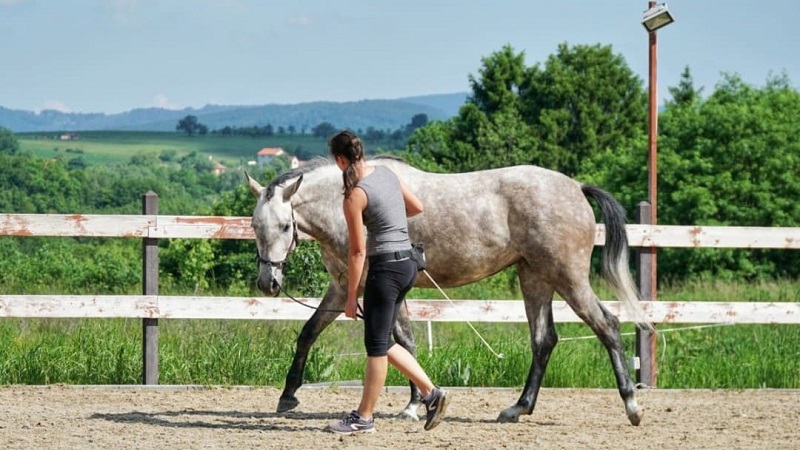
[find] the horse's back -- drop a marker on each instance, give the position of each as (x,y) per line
(477,223)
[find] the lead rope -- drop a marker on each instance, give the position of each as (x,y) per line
(359,310)
(498,355)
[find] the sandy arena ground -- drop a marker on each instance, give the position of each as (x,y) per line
(163,417)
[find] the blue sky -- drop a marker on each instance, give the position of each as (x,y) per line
(115,55)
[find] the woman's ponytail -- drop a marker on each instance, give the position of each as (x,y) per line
(348,146)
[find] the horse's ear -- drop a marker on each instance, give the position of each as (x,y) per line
(290,190)
(255,188)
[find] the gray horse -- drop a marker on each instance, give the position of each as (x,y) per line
(474,225)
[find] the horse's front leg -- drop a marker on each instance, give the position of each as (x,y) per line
(324,316)
(405,337)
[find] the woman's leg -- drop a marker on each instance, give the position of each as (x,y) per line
(385,283)
(409,366)
(374,379)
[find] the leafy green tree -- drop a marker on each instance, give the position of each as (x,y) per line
(191,126)
(324,130)
(685,93)
(583,100)
(418,121)
(730,160)
(191,260)
(500,78)
(8,142)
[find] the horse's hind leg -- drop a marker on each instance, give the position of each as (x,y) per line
(538,296)
(606,326)
(333,300)
(405,337)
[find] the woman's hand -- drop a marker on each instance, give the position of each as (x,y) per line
(351,309)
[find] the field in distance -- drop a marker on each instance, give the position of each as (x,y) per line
(109,147)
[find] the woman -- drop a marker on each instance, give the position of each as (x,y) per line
(375,198)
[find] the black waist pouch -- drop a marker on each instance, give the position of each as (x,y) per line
(418,255)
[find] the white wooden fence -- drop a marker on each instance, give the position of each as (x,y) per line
(213,227)
(150,307)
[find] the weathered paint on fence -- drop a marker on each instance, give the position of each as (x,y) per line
(280,308)
(216,227)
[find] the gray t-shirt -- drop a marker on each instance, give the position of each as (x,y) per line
(385,215)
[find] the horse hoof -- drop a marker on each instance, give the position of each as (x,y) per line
(408,414)
(287,403)
(636,417)
(507,416)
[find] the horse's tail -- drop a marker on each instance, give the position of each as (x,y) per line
(615,254)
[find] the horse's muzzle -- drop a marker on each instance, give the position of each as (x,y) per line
(268,284)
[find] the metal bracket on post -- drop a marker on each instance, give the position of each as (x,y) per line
(150,287)
(645,339)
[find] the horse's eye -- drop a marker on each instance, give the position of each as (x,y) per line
(286,228)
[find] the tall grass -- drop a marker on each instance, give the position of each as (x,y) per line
(106,351)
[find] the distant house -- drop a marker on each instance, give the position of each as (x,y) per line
(219,169)
(267,153)
(69,137)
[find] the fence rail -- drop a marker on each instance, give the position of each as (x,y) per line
(280,308)
(215,227)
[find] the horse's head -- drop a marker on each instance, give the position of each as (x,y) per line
(275,229)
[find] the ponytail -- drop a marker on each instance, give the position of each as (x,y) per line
(349,179)
(347,145)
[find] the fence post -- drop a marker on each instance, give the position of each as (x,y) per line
(646,272)
(150,287)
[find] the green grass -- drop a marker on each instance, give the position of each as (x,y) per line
(97,351)
(103,147)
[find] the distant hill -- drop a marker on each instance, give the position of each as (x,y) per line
(359,115)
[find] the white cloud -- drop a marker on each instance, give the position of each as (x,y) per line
(161,101)
(56,105)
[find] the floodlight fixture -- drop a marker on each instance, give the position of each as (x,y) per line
(656,17)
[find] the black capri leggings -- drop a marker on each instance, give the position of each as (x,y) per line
(387,284)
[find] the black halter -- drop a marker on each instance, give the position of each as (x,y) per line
(281,264)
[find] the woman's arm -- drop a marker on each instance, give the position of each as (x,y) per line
(354,206)
(413,204)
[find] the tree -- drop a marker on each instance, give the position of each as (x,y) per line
(8,142)
(488,131)
(418,121)
(324,130)
(685,93)
(190,126)
(583,100)
(729,160)
(499,83)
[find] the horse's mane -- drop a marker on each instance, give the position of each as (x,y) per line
(294,173)
(310,166)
